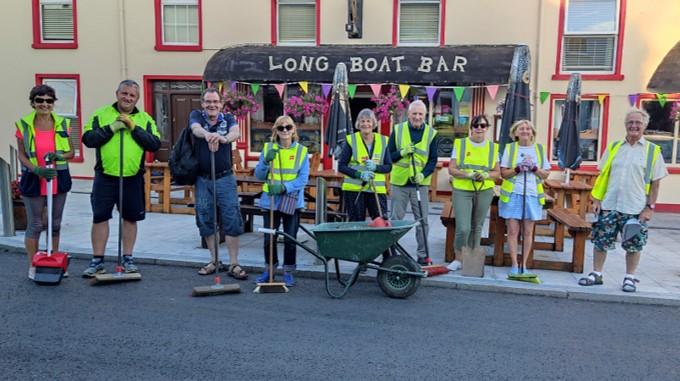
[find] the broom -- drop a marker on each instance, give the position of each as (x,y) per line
(522,276)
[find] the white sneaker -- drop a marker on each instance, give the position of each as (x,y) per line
(455,265)
(31,273)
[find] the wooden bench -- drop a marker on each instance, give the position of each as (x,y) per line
(448,219)
(579,229)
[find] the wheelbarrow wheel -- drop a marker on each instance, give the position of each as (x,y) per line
(397,285)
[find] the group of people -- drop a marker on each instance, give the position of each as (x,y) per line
(120,133)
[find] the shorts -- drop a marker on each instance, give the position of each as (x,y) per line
(533,210)
(228,209)
(609,225)
(105,195)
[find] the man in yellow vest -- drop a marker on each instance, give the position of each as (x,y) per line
(108,127)
(624,195)
(413,150)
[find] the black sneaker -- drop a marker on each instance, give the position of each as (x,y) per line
(95,267)
(129,264)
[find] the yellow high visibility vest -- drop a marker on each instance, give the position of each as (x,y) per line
(509,184)
(359,156)
(653,151)
(61,141)
(472,158)
(287,168)
(402,170)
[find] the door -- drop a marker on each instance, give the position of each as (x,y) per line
(180,108)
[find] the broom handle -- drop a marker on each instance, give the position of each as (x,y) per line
(216,241)
(521,227)
(120,205)
(50,187)
(377,200)
(272,237)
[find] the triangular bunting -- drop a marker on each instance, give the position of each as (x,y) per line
(662,99)
(543,96)
(403,90)
(209,84)
(232,85)
(254,87)
(279,88)
(632,99)
(492,90)
(304,85)
(375,88)
(220,86)
(601,98)
(431,90)
(351,90)
(326,89)
(459,91)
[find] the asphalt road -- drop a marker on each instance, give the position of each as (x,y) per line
(154,330)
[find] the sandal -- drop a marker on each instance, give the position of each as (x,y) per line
(629,284)
(208,269)
(237,272)
(591,280)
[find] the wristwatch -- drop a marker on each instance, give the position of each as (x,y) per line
(651,206)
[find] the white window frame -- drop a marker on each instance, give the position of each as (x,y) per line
(555,129)
(675,138)
(566,34)
(41,20)
(198,22)
(311,42)
(439,23)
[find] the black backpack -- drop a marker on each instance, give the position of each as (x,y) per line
(183,162)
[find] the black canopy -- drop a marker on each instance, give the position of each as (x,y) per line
(666,78)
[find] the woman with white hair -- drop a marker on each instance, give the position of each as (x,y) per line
(524,166)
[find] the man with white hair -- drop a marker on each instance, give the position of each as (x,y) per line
(624,198)
(413,150)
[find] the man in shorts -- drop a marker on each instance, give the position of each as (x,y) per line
(110,126)
(626,190)
(213,133)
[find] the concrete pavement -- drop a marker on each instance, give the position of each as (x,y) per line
(173,239)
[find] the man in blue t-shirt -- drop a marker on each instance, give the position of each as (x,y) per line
(214,133)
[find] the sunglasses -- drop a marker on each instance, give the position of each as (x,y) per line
(49,101)
(286,127)
(480,125)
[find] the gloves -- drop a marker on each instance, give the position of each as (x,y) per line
(366,176)
(480,176)
(408,150)
(271,155)
(418,178)
(45,173)
(117,126)
(53,156)
(370,165)
(276,189)
(128,122)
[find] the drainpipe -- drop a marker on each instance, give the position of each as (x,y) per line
(123,40)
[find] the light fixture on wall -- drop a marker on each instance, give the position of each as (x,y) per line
(354,18)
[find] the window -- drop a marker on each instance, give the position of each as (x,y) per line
(178,25)
(419,22)
(590,39)
(591,121)
(67,89)
(297,22)
(54,24)
(663,127)
(450,118)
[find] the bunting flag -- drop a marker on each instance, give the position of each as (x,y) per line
(662,99)
(459,91)
(632,99)
(326,89)
(543,96)
(232,85)
(208,84)
(492,90)
(304,85)
(279,88)
(254,87)
(375,87)
(601,98)
(403,90)
(220,86)
(351,90)
(431,90)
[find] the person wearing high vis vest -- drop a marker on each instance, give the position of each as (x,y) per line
(284,165)
(413,150)
(43,136)
(524,166)
(474,169)
(364,161)
(624,198)
(106,129)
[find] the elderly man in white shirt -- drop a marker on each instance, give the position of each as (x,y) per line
(625,190)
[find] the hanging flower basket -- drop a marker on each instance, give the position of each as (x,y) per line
(308,105)
(239,104)
(389,105)
(18,207)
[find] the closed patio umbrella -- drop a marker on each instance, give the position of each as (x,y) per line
(517,105)
(568,145)
(339,116)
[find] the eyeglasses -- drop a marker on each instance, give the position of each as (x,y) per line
(286,127)
(480,125)
(49,101)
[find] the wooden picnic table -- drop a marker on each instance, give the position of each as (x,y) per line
(574,196)
(157,179)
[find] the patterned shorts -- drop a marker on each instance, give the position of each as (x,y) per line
(609,225)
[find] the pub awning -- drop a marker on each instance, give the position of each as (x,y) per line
(666,78)
(447,65)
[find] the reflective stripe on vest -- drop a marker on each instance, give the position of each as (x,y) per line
(359,155)
(487,154)
(62,144)
(509,184)
(652,153)
(401,170)
(286,165)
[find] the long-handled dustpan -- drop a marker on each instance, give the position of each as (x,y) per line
(217,288)
(523,276)
(120,275)
(49,267)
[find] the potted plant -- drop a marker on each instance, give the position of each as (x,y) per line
(309,106)
(18,207)
(390,105)
(239,104)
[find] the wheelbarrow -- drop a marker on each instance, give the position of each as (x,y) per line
(398,276)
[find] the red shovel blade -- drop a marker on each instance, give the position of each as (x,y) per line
(379,222)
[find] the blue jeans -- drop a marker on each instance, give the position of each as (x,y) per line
(228,210)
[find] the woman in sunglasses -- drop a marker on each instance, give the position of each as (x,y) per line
(44,148)
(474,170)
(285,167)
(364,162)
